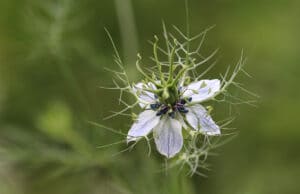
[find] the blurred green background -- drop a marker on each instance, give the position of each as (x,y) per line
(52,55)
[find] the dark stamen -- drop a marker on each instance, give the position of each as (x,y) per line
(172,114)
(182,101)
(163,110)
(154,106)
(179,106)
(182,109)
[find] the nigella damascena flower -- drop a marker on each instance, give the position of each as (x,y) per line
(171,96)
(169,110)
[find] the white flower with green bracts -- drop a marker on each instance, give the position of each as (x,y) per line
(172,96)
(167,117)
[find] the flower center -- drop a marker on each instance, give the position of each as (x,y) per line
(178,106)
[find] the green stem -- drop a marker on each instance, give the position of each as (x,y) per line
(144,74)
(180,73)
(171,68)
(157,60)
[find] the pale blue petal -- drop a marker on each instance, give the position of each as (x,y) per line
(168,137)
(202,90)
(200,120)
(145,97)
(146,121)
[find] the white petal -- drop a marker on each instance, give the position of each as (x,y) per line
(145,97)
(146,121)
(202,90)
(199,119)
(168,137)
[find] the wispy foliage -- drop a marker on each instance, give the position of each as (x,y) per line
(177,63)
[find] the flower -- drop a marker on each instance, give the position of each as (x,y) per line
(166,118)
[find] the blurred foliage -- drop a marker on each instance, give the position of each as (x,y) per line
(52,59)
